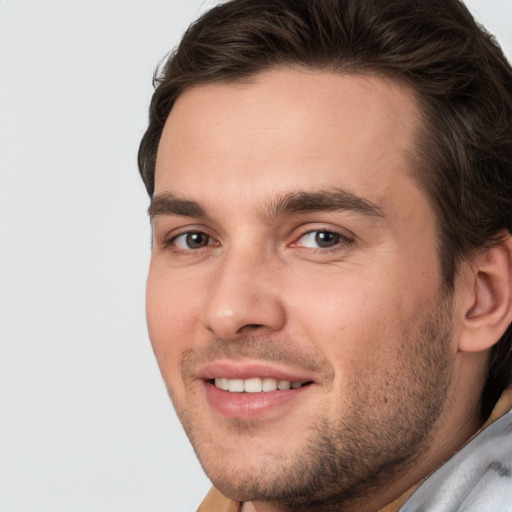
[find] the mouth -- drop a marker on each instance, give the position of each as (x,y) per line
(256,384)
(251,390)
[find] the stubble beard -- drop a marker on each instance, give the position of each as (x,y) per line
(345,459)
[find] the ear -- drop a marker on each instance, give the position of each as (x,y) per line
(487,303)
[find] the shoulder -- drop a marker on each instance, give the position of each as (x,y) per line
(478,478)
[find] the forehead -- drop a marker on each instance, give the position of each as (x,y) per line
(289,129)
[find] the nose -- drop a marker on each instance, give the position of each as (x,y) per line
(244,298)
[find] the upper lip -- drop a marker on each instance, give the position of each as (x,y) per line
(249,369)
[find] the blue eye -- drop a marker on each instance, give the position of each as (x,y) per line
(320,239)
(192,240)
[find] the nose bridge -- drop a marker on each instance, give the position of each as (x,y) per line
(243,294)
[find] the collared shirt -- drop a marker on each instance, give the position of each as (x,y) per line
(477,478)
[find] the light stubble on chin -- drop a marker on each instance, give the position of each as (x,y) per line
(385,430)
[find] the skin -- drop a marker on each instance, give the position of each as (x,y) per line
(365,317)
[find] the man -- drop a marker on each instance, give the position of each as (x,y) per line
(329,296)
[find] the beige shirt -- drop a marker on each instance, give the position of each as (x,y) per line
(216,502)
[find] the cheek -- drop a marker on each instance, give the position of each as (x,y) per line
(355,316)
(338,318)
(171,316)
(339,300)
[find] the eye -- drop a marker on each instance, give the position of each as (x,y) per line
(320,239)
(191,240)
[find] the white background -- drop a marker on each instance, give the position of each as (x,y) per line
(85,422)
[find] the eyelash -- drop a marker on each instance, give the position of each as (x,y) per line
(171,242)
(343,241)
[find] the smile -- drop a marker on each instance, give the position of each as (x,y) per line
(255,385)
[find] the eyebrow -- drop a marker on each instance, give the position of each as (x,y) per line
(293,203)
(332,200)
(168,204)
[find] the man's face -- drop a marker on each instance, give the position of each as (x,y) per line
(294,249)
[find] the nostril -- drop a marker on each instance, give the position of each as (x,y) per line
(249,327)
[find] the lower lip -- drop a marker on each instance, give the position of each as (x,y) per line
(249,405)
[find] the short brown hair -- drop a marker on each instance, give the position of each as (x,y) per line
(461,77)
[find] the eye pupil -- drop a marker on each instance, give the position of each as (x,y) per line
(196,240)
(326,239)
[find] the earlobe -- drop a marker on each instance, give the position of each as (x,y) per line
(489,297)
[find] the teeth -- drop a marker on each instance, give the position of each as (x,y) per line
(222,384)
(269,384)
(255,385)
(236,385)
